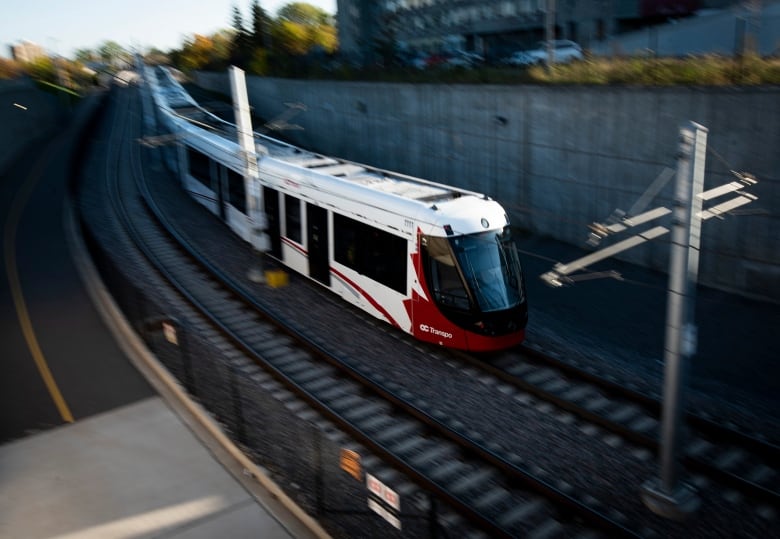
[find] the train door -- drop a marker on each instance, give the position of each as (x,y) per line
(271,203)
(317,239)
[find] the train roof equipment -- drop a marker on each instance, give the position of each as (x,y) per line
(427,201)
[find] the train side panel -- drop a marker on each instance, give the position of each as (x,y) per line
(428,324)
(358,231)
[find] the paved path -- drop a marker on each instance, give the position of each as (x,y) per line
(136,471)
(59,362)
(89,448)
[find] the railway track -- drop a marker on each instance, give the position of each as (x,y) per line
(480,486)
(478,482)
(724,455)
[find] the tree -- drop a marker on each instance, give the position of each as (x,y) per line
(155,56)
(9,69)
(326,37)
(87,55)
(238,21)
(269,45)
(305,14)
(259,63)
(241,49)
(42,68)
(260,26)
(113,54)
(196,53)
(223,41)
(204,52)
(302,27)
(291,38)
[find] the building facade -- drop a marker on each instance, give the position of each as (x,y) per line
(495,28)
(27,51)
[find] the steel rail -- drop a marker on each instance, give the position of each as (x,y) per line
(560,499)
(620,394)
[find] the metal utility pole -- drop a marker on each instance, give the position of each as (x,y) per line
(254,193)
(549,32)
(667,495)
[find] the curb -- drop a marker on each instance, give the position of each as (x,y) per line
(269,495)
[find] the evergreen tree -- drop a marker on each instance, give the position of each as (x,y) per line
(241,49)
(260,26)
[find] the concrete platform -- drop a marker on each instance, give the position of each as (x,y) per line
(137,471)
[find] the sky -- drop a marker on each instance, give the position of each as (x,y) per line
(64,26)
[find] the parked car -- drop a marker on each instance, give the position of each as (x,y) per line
(564,51)
(466,58)
(437,59)
(419,61)
(518,58)
(447,59)
(459,58)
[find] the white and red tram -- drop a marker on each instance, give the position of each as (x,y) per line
(435,261)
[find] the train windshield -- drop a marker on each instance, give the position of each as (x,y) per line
(476,271)
(491,267)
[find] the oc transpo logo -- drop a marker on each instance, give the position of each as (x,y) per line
(433,331)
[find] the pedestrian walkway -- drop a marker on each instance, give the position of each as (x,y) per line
(137,471)
(160,467)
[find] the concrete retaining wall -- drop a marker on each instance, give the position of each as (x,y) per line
(557,158)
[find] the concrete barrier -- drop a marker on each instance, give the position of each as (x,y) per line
(558,158)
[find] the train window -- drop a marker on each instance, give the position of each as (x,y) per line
(345,239)
(377,254)
(489,264)
(236,191)
(200,166)
(445,279)
(292,213)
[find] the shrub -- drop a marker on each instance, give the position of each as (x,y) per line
(708,70)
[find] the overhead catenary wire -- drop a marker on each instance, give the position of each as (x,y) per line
(620,221)
(500,169)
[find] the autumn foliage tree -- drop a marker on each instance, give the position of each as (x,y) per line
(280,46)
(10,69)
(260,44)
(306,27)
(203,52)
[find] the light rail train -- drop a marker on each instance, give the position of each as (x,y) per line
(435,261)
